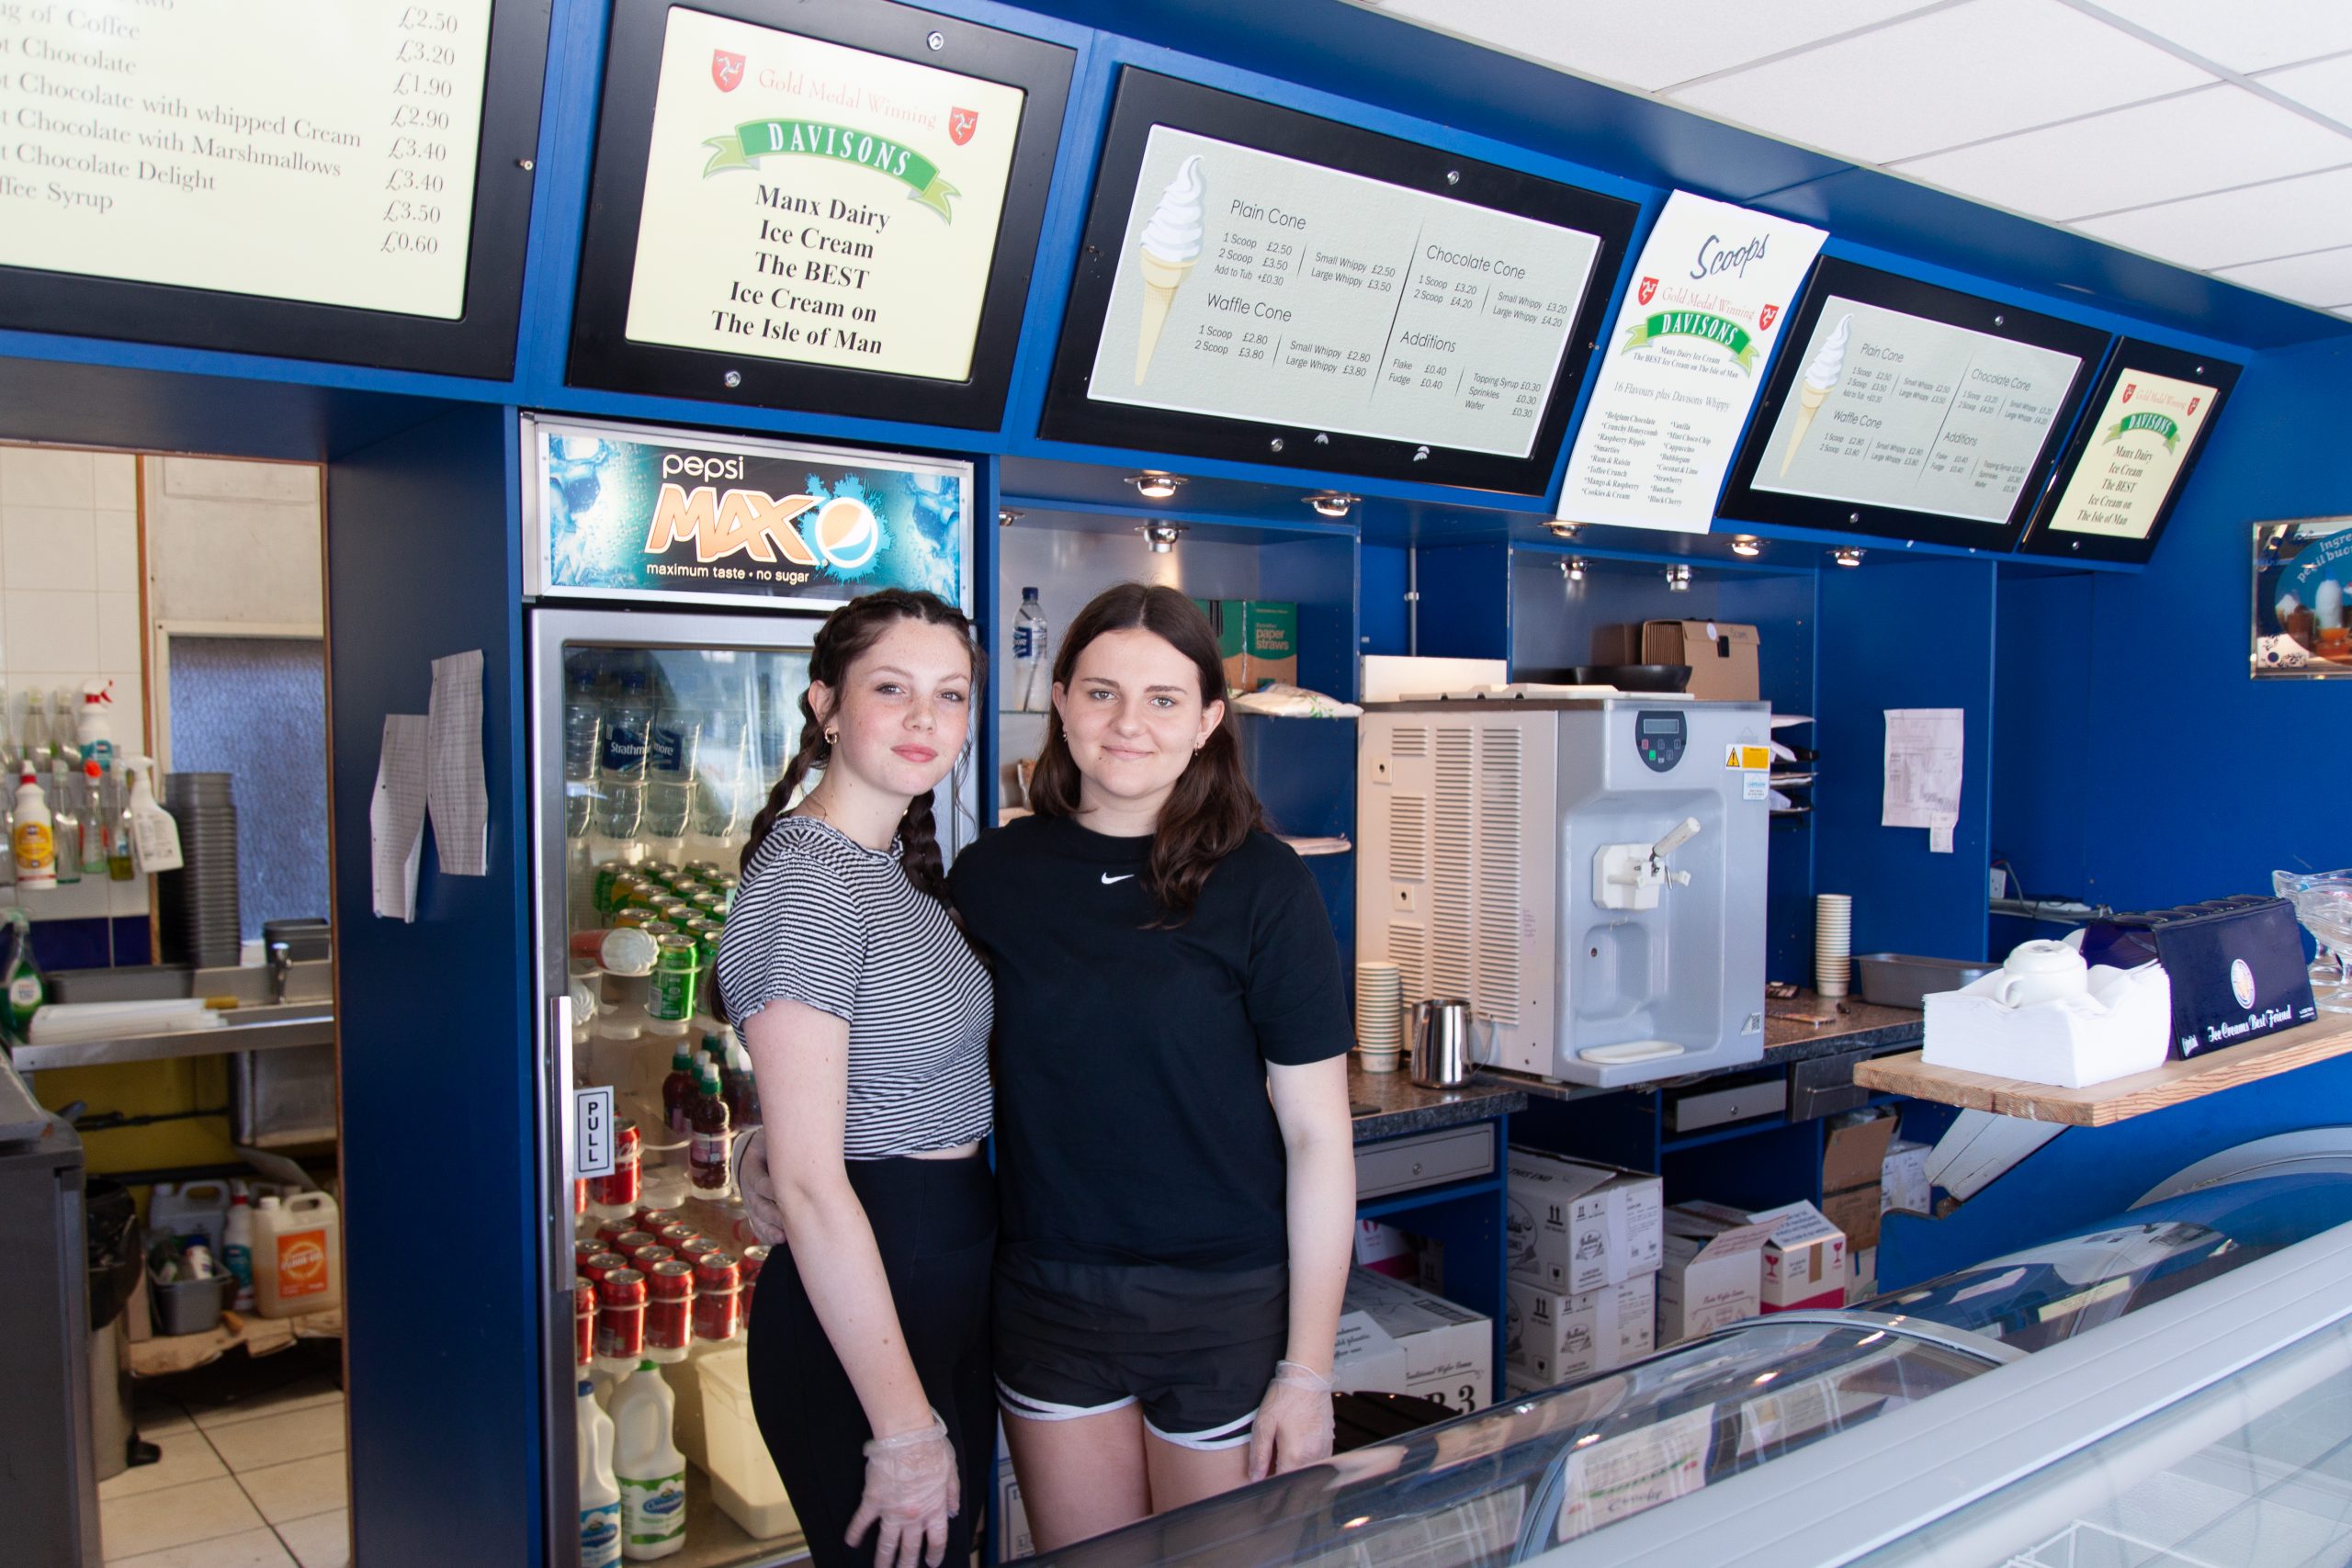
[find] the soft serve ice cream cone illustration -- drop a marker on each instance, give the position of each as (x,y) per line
(1820,380)
(1169,246)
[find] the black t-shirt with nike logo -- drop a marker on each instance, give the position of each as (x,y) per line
(1132,1120)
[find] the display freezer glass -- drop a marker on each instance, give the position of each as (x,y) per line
(657,741)
(1509,1483)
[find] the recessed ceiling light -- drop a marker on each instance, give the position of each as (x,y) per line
(1162,536)
(1573,569)
(1563,530)
(1332,503)
(1847,556)
(1677,579)
(1006,517)
(1747,545)
(1153,485)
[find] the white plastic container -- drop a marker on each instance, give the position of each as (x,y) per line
(297,1255)
(599,1493)
(650,1471)
(742,1477)
(34,842)
(94,732)
(237,1250)
(196,1208)
(154,836)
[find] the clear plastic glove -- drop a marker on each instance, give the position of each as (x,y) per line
(1294,1424)
(912,1491)
(758,1188)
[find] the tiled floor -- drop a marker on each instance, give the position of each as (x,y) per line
(248,1479)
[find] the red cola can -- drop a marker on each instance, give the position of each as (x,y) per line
(629,1241)
(718,1283)
(669,1306)
(654,1220)
(755,1258)
(698,1246)
(579,1197)
(596,1265)
(645,1258)
(583,1319)
(677,1235)
(618,1191)
(620,1316)
(610,1231)
(586,1246)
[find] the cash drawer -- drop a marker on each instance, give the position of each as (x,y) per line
(1425,1159)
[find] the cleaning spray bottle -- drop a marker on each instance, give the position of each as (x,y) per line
(154,836)
(33,843)
(20,975)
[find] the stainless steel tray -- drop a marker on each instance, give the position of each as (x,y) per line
(1905,980)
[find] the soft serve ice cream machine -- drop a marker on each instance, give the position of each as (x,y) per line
(1586,873)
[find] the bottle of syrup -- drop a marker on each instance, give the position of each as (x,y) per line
(707,1160)
(678,1091)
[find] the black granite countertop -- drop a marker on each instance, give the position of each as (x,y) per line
(1388,1105)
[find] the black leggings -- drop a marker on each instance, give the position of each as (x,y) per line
(934,1221)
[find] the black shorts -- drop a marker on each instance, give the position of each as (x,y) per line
(1194,1347)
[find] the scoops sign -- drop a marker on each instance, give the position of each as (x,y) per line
(625,511)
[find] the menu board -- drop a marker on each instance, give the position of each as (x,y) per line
(1899,410)
(2145,425)
(1257,287)
(1685,363)
(315,153)
(812,202)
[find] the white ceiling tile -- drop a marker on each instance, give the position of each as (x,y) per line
(1983,69)
(2179,146)
(1649,45)
(2243,35)
(2309,212)
(2324,84)
(2322,278)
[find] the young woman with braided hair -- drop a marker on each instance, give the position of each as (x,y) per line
(866,1016)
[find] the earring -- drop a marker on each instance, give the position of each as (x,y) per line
(832,736)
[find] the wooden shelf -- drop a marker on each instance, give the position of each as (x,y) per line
(2118,1099)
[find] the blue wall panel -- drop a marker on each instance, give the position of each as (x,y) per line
(1905,634)
(440,1134)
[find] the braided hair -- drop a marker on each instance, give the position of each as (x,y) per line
(847,633)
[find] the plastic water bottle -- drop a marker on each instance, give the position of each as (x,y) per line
(623,756)
(718,777)
(584,727)
(671,744)
(1032,664)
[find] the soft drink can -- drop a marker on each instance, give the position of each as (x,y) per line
(620,1315)
(583,1319)
(653,1252)
(696,1248)
(597,1264)
(630,916)
(672,997)
(755,1258)
(717,1283)
(707,902)
(677,1233)
(669,1305)
(619,1190)
(656,1221)
(609,1232)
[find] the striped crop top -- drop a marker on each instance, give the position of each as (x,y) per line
(824,920)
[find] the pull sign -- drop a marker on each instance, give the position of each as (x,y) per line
(591,1127)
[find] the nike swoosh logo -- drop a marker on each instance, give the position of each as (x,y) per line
(1108,879)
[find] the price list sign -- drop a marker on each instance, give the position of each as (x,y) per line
(1898,411)
(1255,286)
(288,149)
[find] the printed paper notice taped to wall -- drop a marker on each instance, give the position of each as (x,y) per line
(1923,772)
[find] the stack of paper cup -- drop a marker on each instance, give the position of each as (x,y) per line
(1833,942)
(1380,1015)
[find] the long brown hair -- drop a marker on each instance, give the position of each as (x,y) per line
(1212,809)
(847,633)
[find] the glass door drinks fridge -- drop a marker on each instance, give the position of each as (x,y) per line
(679,581)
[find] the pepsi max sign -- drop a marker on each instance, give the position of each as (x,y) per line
(628,511)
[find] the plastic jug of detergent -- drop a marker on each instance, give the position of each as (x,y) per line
(599,1493)
(297,1255)
(647,1463)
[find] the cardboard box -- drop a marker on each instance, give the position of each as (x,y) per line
(1903,1179)
(1803,1256)
(1258,639)
(1852,1155)
(1712,1273)
(1553,1339)
(1385,1249)
(1855,1212)
(1722,654)
(1011,1521)
(1574,1227)
(1397,1339)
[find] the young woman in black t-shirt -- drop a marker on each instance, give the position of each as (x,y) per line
(1175,1165)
